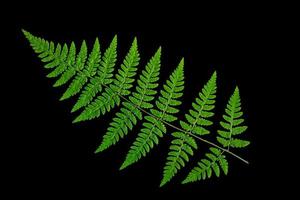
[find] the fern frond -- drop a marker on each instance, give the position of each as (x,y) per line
(46,50)
(120,86)
(129,113)
(154,128)
(74,64)
(104,76)
(196,120)
(181,147)
(59,63)
(214,161)
(39,45)
(231,126)
(92,77)
(70,61)
(232,123)
(55,57)
(89,70)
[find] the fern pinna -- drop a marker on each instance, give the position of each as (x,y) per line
(129,113)
(99,88)
(216,159)
(153,127)
(183,144)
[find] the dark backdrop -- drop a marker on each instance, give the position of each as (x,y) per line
(54,156)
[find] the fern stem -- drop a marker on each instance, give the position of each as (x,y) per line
(181,130)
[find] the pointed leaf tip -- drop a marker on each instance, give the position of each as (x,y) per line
(182,60)
(129,160)
(77,119)
(135,40)
(184,181)
(162,183)
(236,89)
(101,148)
(26,33)
(62,98)
(236,92)
(73,110)
(181,64)
(159,50)
(123,166)
(115,38)
(214,75)
(98,150)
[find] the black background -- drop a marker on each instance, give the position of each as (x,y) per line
(52,156)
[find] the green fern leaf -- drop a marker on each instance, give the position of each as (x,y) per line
(238,143)
(104,76)
(39,45)
(214,161)
(181,146)
(153,128)
(74,65)
(46,50)
(120,86)
(48,56)
(68,67)
(232,123)
(129,114)
(59,63)
(82,77)
(75,86)
(196,121)
(55,58)
(91,76)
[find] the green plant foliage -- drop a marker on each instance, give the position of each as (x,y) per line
(103,75)
(99,87)
(121,86)
(232,123)
(197,121)
(74,64)
(86,71)
(153,127)
(129,113)
(215,161)
(216,158)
